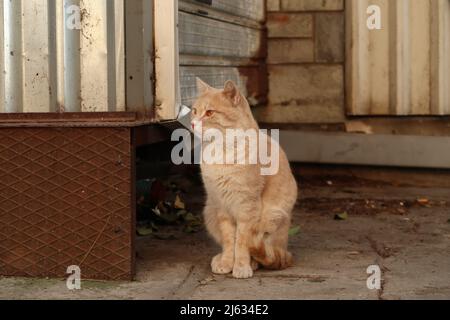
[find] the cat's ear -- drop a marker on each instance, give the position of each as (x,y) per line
(202,87)
(231,91)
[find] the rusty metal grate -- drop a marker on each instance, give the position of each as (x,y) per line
(66,199)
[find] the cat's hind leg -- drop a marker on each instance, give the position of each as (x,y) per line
(271,251)
(223,229)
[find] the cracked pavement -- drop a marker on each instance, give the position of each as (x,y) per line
(386,226)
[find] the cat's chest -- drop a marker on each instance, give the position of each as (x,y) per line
(223,180)
(218,176)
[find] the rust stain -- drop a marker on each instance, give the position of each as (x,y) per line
(279,18)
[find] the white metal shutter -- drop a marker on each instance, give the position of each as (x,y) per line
(222,40)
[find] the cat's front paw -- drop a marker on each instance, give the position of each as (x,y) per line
(242,272)
(220,265)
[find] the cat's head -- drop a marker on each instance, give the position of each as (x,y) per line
(217,108)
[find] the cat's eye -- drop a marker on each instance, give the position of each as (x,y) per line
(209,113)
(194,112)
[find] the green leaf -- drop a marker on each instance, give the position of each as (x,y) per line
(341,216)
(294,231)
(144,231)
(189,217)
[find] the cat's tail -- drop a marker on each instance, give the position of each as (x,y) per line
(270,245)
(272,258)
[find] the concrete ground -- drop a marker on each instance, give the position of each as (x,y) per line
(403,229)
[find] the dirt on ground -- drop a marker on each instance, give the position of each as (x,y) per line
(344,224)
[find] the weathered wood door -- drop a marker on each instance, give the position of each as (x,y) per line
(404,67)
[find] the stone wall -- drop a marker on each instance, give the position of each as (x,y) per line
(305,62)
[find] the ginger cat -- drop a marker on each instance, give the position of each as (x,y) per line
(247,213)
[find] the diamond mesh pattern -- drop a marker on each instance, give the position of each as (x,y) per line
(66,199)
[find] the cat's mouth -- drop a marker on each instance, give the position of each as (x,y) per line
(197,128)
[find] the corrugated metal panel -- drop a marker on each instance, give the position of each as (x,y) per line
(220,41)
(69,56)
(214,76)
(404,68)
(167,89)
(252,9)
(208,37)
(140,54)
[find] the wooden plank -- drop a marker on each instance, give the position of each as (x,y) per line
(368,59)
(357,55)
(360,149)
(420,22)
(400,72)
(440,53)
(401,69)
(351,50)
(378,49)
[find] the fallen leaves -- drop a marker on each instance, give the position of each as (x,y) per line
(144,231)
(160,205)
(423,201)
(294,231)
(341,216)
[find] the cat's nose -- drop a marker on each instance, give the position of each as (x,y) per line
(196,125)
